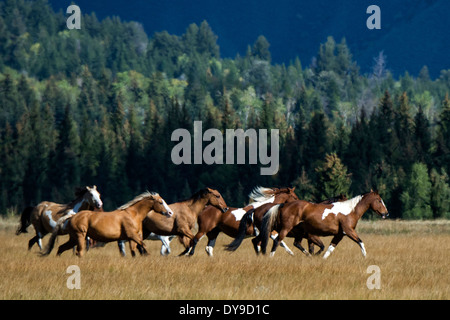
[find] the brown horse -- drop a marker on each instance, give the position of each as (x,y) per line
(255,218)
(211,221)
(185,216)
(45,215)
(336,219)
(299,232)
(125,223)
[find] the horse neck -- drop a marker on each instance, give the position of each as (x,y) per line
(197,205)
(283,198)
(362,206)
(79,204)
(139,210)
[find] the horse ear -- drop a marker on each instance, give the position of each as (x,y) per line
(371,190)
(88,188)
(293,189)
(94,187)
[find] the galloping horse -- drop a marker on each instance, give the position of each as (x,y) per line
(45,215)
(185,216)
(336,219)
(255,217)
(299,233)
(211,221)
(125,223)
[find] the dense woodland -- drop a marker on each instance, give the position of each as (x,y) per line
(98,106)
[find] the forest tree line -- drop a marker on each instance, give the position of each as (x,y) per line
(98,106)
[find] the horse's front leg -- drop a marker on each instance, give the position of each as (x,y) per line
(121,245)
(351,233)
(81,244)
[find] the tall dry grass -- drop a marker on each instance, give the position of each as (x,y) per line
(413,258)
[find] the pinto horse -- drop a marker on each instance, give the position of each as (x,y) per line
(211,221)
(336,219)
(255,218)
(184,218)
(45,215)
(125,223)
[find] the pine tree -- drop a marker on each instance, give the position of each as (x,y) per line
(416,197)
(260,49)
(333,178)
(403,125)
(440,194)
(66,163)
(442,150)
(422,137)
(317,142)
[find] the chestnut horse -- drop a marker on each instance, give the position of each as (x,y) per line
(211,221)
(125,223)
(255,218)
(45,215)
(336,219)
(184,218)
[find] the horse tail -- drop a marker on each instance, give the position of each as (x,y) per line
(56,231)
(267,224)
(25,220)
(247,218)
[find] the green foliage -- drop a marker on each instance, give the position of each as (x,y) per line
(440,194)
(416,197)
(333,178)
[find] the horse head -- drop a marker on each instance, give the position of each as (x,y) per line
(161,206)
(377,204)
(283,195)
(215,199)
(92,196)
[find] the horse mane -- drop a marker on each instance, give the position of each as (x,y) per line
(260,194)
(353,201)
(80,191)
(142,196)
(196,196)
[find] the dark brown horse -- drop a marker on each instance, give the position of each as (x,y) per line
(45,215)
(212,221)
(336,219)
(255,218)
(125,223)
(185,216)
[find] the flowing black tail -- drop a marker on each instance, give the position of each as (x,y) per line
(25,220)
(242,231)
(267,224)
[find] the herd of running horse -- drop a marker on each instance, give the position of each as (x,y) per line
(273,212)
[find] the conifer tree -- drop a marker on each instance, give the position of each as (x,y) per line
(416,197)
(440,194)
(333,178)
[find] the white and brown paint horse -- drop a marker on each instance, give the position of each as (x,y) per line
(45,215)
(212,221)
(337,219)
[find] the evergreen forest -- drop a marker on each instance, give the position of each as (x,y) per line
(98,106)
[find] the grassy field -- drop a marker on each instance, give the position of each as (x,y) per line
(413,258)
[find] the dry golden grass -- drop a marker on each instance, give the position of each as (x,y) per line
(413,258)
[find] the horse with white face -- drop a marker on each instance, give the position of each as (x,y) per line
(45,215)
